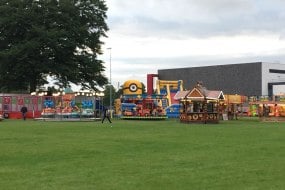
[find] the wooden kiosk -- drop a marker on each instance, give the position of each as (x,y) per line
(199,105)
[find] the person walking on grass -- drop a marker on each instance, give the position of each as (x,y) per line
(106,115)
(24,111)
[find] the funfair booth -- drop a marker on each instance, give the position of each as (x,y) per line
(233,105)
(11,104)
(199,105)
(61,105)
(269,108)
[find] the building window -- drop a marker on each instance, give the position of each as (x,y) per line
(276,71)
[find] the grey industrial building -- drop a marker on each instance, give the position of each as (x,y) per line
(250,79)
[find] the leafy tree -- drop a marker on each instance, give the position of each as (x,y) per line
(57,38)
(119,93)
(106,100)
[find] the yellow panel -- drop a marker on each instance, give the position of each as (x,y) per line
(233,99)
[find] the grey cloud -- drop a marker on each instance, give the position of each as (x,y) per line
(144,64)
(212,18)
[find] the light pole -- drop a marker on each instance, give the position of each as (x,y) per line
(110,78)
(100,95)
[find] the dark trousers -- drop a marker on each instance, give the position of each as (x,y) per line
(107,118)
(24,116)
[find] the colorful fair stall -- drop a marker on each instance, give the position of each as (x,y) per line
(269,108)
(57,106)
(11,104)
(199,105)
(233,105)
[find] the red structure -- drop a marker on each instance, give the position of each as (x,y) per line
(150,83)
(11,104)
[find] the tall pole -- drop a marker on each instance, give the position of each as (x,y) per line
(110,77)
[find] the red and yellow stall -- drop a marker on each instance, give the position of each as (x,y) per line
(270,108)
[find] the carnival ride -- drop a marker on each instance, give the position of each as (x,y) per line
(49,109)
(66,107)
(168,88)
(136,105)
(74,106)
(60,107)
(173,111)
(117,107)
(87,110)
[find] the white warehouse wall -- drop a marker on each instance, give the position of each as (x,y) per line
(272,77)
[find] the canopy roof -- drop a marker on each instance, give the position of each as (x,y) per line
(181,94)
(200,93)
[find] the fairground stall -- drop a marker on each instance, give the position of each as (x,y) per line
(253,104)
(11,104)
(233,106)
(61,105)
(269,108)
(199,105)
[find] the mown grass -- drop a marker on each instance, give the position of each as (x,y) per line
(243,154)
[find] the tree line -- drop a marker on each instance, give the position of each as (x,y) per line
(60,39)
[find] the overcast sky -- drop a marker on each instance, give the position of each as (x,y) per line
(149,35)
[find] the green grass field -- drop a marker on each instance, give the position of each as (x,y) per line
(136,155)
